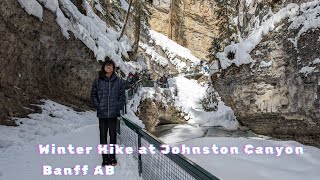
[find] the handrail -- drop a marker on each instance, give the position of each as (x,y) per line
(195,170)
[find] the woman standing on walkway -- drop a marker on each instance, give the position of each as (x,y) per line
(108,97)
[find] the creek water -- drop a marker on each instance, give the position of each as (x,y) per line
(183,132)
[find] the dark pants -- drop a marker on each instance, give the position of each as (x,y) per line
(105,125)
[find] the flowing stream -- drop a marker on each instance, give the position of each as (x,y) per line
(180,133)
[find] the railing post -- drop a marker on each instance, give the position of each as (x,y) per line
(127,95)
(131,92)
(125,106)
(118,126)
(139,155)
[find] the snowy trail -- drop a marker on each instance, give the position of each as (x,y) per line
(27,164)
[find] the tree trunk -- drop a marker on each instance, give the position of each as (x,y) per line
(137,21)
(171,17)
(125,21)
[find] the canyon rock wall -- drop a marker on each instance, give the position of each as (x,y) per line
(37,62)
(276,99)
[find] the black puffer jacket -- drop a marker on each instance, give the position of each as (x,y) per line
(108,96)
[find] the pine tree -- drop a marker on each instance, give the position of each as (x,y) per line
(226,10)
(137,14)
(214,48)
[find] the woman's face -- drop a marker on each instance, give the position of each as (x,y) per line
(108,68)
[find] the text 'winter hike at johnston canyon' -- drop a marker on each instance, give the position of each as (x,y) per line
(247,149)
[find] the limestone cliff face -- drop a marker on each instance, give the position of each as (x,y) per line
(190,23)
(37,62)
(275,99)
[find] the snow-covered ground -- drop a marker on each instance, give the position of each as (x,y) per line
(256,166)
(59,125)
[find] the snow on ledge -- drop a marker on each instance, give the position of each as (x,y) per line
(264,64)
(99,7)
(124,5)
(316,61)
(154,55)
(32,7)
(305,17)
(306,70)
(90,29)
(242,49)
(308,19)
(172,49)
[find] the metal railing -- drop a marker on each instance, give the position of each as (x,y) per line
(130,92)
(133,89)
(194,70)
(148,83)
(162,84)
(157,166)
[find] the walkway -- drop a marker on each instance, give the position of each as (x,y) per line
(28,164)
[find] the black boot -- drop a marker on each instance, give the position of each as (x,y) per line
(113,162)
(105,161)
